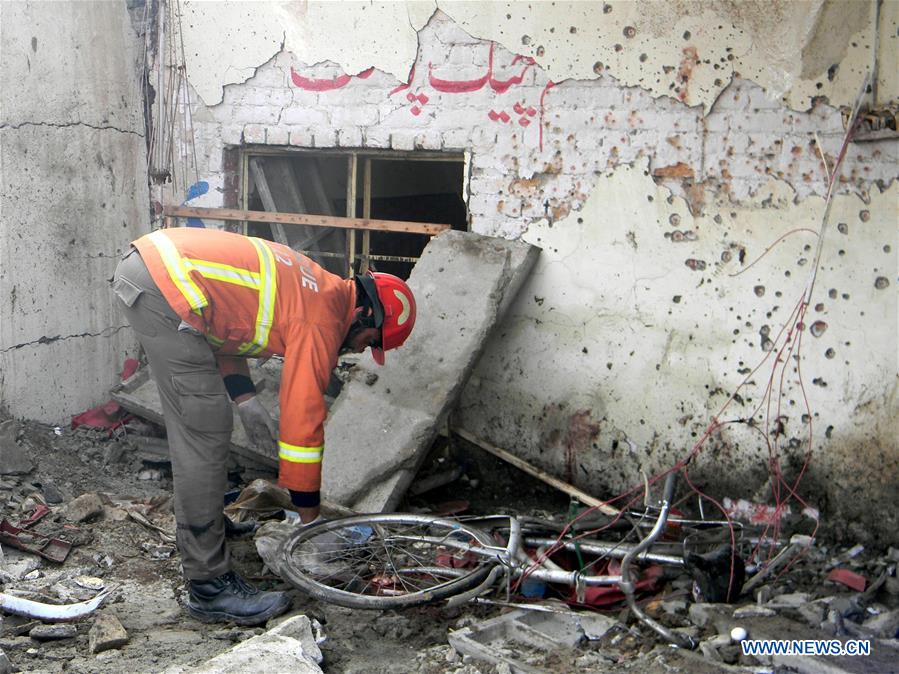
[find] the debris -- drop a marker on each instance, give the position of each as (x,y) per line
(884,625)
(164,534)
(718,575)
(798,544)
(522,640)
(107,633)
(53,632)
(83,508)
(108,417)
(289,647)
(258,500)
(794,600)
(54,549)
(848,578)
(753,611)
(5,664)
(436,480)
(51,612)
(14,460)
(90,583)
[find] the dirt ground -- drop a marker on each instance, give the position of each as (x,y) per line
(142,566)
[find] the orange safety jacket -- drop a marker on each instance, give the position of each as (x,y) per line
(256,298)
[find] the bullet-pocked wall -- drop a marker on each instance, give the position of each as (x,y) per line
(671,160)
(72,195)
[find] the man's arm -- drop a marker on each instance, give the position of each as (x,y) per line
(308,362)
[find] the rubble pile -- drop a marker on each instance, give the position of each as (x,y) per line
(113,601)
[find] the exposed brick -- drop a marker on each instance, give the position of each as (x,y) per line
(456,139)
(301,136)
(254,134)
(355,116)
(402,140)
(302,116)
(254,114)
(351,137)
(324,138)
(276,135)
(376,137)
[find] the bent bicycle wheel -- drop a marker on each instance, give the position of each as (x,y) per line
(386,561)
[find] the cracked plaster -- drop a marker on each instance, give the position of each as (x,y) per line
(688,49)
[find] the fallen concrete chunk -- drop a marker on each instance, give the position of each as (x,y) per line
(378,431)
(53,632)
(107,633)
(503,641)
(14,460)
(288,647)
(83,508)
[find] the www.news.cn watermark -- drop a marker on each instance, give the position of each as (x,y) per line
(805,647)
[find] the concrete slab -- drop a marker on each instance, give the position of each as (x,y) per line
(380,427)
(139,395)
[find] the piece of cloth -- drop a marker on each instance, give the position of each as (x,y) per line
(250,297)
(198,417)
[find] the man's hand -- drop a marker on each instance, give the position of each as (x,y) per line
(257,422)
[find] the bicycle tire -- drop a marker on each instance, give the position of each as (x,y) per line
(371,574)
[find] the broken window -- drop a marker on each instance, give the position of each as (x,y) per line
(411,187)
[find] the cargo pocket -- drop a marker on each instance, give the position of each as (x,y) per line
(126,291)
(204,403)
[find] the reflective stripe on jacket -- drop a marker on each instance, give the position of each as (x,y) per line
(252,297)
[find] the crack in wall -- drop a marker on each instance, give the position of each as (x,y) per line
(71,124)
(106,332)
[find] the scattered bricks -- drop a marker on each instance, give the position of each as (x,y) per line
(276,135)
(83,508)
(254,134)
(848,578)
(107,633)
(54,632)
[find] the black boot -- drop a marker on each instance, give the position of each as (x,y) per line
(229,598)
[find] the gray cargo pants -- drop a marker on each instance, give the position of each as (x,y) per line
(198,417)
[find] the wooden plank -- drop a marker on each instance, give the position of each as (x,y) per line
(302,219)
(521,464)
(268,200)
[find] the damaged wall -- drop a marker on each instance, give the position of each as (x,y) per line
(653,157)
(72,195)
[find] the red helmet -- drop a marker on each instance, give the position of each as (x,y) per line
(398,305)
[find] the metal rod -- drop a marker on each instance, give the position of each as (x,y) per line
(627,586)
